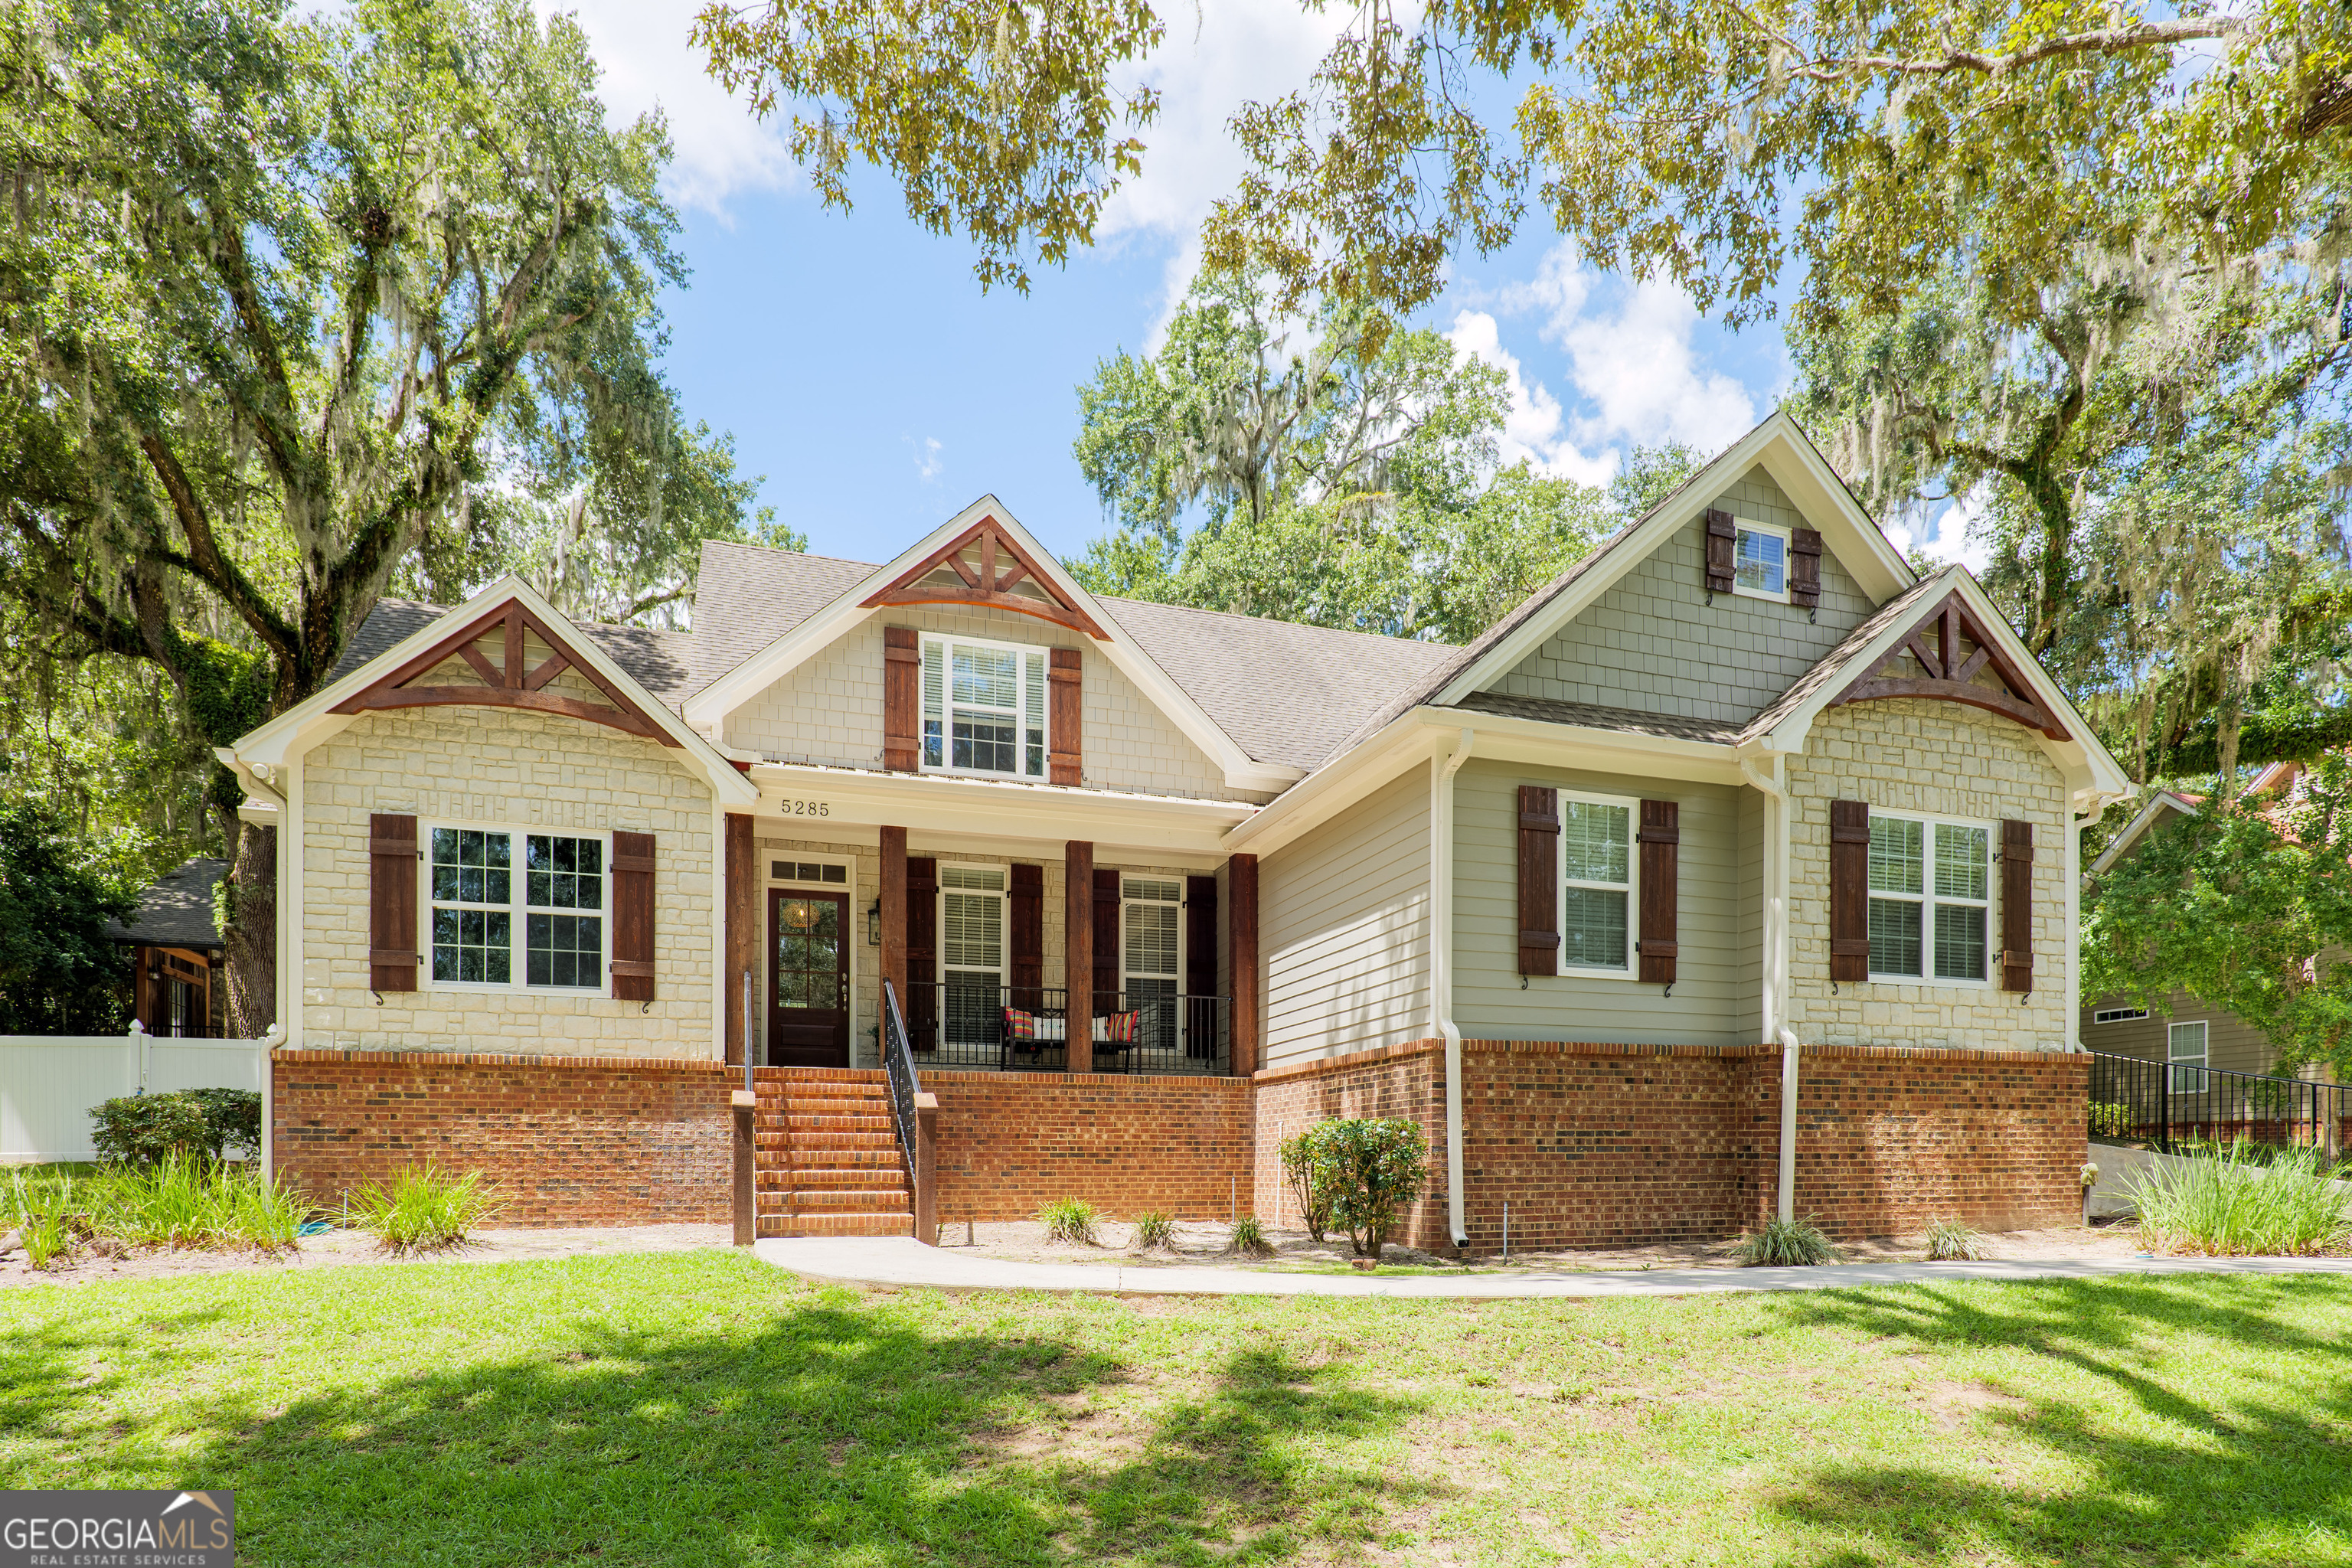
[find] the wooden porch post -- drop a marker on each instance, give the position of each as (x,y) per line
(742,927)
(894,917)
(1241,889)
(1079,953)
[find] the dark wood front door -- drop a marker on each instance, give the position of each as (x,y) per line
(808,968)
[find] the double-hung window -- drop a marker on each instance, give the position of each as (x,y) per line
(1931,898)
(984,708)
(487,887)
(1760,561)
(1596,900)
(2184,1047)
(972,950)
(1150,951)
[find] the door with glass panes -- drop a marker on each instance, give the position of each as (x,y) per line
(808,979)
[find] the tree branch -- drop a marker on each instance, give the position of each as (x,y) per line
(2101,41)
(205,555)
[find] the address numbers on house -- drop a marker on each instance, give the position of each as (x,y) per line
(808,809)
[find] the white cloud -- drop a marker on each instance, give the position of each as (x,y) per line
(721,150)
(927,462)
(1952,534)
(1532,425)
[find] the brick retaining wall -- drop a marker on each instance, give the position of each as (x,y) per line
(1406,1080)
(571,1140)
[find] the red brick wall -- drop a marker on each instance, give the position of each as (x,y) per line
(1406,1080)
(1009,1142)
(571,1140)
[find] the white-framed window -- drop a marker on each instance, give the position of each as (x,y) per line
(833,871)
(513,910)
(2184,1047)
(1152,953)
(972,917)
(2119,1014)
(1930,899)
(983,706)
(1760,560)
(1598,869)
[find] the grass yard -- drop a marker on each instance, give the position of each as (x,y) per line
(703,1408)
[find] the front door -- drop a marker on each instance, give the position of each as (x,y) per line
(808,966)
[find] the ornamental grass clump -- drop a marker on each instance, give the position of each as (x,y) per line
(1370,1171)
(192,1201)
(2235,1203)
(1248,1237)
(1785,1244)
(1152,1229)
(1070,1220)
(1952,1241)
(424,1210)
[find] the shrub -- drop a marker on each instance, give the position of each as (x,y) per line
(1071,1220)
(1314,1198)
(1785,1243)
(1248,1237)
(189,1201)
(232,1118)
(424,1210)
(141,1128)
(1153,1228)
(1952,1241)
(2110,1119)
(2231,1203)
(1370,1170)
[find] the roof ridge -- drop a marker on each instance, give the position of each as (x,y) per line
(1275,621)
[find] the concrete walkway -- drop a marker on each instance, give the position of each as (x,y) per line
(903,1261)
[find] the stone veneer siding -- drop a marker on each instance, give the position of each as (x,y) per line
(568,1139)
(1936,759)
(502,768)
(1010,1143)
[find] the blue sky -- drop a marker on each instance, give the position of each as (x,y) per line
(864,373)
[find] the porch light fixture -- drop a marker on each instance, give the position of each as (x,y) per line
(874,923)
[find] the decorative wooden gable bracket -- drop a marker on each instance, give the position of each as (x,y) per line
(510,681)
(1935,641)
(983,585)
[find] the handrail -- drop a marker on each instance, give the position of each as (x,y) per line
(898,1066)
(2158,1097)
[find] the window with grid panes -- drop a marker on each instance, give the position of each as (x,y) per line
(984,708)
(1931,898)
(480,899)
(1596,855)
(1151,917)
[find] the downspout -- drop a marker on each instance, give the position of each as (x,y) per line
(1441,968)
(1775,965)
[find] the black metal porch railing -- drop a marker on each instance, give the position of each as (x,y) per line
(898,1067)
(2171,1105)
(1025,1028)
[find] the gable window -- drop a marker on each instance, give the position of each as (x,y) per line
(1596,859)
(1761,561)
(481,900)
(1931,898)
(984,708)
(2184,1047)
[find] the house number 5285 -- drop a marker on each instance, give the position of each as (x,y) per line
(808,809)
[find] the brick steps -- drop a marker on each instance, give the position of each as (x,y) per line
(827,1159)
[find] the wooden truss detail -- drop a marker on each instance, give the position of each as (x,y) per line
(984,585)
(509,681)
(1934,640)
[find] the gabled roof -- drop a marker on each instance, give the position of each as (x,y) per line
(660,661)
(2163,802)
(176,911)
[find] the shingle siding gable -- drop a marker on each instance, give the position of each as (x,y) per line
(1652,642)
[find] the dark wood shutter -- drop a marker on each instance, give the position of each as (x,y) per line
(1028,912)
(392,903)
(1849,890)
(1661,839)
(902,706)
(1066,734)
(1200,936)
(2017,906)
(1539,880)
(1805,567)
(633,916)
(922,1000)
(1105,942)
(1722,534)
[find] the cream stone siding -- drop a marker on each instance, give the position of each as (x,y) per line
(1343,923)
(1655,642)
(1939,759)
(829,710)
(1714,1000)
(499,767)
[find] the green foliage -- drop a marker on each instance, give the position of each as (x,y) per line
(232,1118)
(1371,1169)
(1071,1220)
(2111,1119)
(1953,1241)
(2246,906)
(149,1129)
(1247,1238)
(180,1200)
(59,975)
(1299,1171)
(1786,1244)
(1153,1228)
(424,1210)
(2230,1204)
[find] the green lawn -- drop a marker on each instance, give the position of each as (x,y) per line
(704,1408)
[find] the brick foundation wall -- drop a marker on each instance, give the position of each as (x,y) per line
(1009,1142)
(571,1140)
(1405,1080)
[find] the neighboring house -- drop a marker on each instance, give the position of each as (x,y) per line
(1737,778)
(176,952)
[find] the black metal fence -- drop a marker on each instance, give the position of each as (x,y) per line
(1026,1028)
(2169,1104)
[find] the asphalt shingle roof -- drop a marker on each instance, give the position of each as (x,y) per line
(177,911)
(1907,602)
(1593,716)
(660,661)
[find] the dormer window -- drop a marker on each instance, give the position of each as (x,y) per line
(984,708)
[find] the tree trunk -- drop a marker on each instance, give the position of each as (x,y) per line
(250,933)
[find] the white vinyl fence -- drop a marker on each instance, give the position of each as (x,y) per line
(48,1082)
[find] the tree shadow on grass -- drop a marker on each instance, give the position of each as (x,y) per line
(2239,1474)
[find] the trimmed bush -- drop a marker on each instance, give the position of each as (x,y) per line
(1298,1171)
(2236,1203)
(424,1210)
(1369,1170)
(1784,1244)
(232,1118)
(1071,1220)
(145,1129)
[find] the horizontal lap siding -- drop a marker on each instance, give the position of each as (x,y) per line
(2232,1044)
(1714,986)
(1343,925)
(1011,1143)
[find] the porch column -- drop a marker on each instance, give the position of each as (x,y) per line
(743,930)
(1079,953)
(894,920)
(1241,915)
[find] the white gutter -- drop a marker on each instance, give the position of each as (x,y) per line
(1775,1000)
(1440,964)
